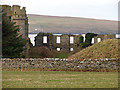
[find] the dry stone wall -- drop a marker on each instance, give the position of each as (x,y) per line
(52,64)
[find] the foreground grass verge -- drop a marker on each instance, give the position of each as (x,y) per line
(56,79)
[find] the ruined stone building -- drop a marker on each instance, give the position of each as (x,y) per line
(58,42)
(66,42)
(18,15)
(101,37)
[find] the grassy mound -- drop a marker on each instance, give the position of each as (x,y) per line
(105,49)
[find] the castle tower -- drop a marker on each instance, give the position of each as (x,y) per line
(18,15)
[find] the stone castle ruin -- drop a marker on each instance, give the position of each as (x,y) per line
(66,42)
(18,15)
(59,42)
(101,37)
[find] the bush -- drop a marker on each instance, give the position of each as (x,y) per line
(88,40)
(84,45)
(80,41)
(40,52)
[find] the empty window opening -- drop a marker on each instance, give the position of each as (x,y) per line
(58,39)
(58,49)
(71,49)
(71,39)
(44,39)
(117,35)
(92,41)
(83,37)
(99,40)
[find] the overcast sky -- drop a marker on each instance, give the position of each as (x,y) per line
(98,9)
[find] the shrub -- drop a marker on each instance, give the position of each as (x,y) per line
(80,41)
(88,40)
(40,52)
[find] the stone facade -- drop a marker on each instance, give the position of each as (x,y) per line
(101,37)
(47,64)
(19,16)
(62,43)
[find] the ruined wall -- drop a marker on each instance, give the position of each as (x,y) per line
(60,64)
(18,15)
(63,46)
(104,37)
(98,36)
(111,36)
(65,43)
(21,24)
(39,39)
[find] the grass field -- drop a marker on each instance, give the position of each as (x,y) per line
(55,79)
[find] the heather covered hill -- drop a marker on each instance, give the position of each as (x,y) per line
(56,24)
(105,49)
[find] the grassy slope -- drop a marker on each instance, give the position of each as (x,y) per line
(50,79)
(57,24)
(105,49)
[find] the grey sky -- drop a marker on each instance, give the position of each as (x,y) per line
(99,9)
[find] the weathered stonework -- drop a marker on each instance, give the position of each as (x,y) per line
(52,44)
(104,37)
(64,44)
(60,64)
(19,16)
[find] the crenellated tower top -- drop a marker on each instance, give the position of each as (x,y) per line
(15,11)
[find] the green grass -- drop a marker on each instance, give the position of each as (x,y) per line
(61,55)
(55,79)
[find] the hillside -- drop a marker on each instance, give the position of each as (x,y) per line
(105,49)
(56,24)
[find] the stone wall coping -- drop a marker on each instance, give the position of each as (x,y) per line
(58,59)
